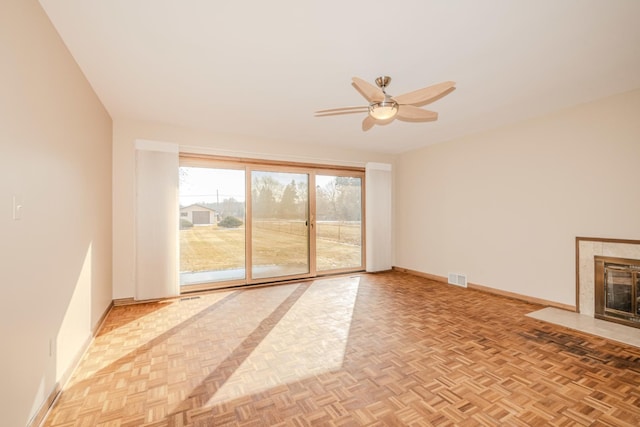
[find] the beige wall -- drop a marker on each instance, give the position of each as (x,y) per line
(505,206)
(126,132)
(55,152)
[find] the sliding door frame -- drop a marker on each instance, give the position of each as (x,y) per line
(214,163)
(311,226)
(310,169)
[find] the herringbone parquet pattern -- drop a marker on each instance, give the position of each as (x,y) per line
(381,350)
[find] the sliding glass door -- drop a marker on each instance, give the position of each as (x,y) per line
(249,223)
(279,224)
(338,222)
(212,225)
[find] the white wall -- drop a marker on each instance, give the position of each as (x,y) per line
(55,153)
(505,206)
(126,132)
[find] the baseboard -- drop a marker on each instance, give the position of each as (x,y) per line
(124,301)
(420,274)
(490,290)
(521,297)
(48,403)
(39,416)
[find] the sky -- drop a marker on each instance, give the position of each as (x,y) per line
(210,185)
(215,185)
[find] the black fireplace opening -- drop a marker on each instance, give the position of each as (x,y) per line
(617,290)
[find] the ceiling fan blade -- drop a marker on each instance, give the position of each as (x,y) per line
(369,91)
(347,109)
(368,123)
(339,113)
(409,113)
(425,95)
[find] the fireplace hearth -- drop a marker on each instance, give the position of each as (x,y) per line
(617,290)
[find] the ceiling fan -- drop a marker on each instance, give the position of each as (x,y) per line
(384,108)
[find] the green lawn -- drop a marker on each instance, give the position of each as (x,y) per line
(206,248)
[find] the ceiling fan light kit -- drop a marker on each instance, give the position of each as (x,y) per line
(384,108)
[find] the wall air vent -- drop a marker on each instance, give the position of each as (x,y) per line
(458,279)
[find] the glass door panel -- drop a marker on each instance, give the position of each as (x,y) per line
(212,225)
(279,224)
(618,289)
(338,222)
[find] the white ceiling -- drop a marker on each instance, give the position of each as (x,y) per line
(261,68)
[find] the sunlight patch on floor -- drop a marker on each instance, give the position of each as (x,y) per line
(133,333)
(310,339)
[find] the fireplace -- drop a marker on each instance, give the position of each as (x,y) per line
(617,290)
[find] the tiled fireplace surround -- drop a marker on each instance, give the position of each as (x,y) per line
(584,320)
(586,249)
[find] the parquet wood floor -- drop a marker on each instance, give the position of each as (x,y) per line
(383,349)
